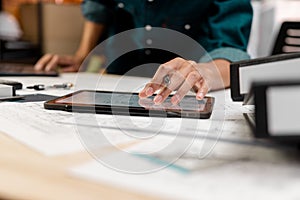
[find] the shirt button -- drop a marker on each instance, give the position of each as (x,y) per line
(149,41)
(148,27)
(187,27)
(121,5)
(148,52)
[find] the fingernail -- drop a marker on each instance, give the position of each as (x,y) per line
(200,95)
(175,99)
(149,91)
(157,99)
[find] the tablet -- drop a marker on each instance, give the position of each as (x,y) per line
(121,103)
(20,69)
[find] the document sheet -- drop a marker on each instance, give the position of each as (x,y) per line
(230,171)
(59,132)
(46,131)
(235,166)
(232,165)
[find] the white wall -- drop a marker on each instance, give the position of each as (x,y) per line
(268,17)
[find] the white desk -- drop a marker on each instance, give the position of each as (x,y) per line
(28,174)
(239,166)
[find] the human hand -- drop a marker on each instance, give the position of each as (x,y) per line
(50,62)
(183,75)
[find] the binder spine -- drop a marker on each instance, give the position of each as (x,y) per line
(260,102)
(235,82)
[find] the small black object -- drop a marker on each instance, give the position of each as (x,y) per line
(37,87)
(17,85)
(12,98)
(36,98)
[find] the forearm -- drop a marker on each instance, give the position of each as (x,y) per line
(90,37)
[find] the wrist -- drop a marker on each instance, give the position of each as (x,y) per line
(216,74)
(223,70)
(79,56)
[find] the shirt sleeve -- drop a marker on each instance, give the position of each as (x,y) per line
(98,11)
(227,31)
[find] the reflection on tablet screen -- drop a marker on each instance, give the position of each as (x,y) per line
(132,100)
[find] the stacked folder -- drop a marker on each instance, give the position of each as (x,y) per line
(273,83)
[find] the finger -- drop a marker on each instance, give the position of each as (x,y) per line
(161,97)
(202,91)
(52,64)
(40,65)
(157,80)
(190,81)
(179,76)
(176,81)
(66,60)
(149,90)
(167,69)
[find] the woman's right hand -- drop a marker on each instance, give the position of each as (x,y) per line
(67,63)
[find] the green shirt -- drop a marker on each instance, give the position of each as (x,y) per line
(222,27)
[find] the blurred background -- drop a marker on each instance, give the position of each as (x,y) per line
(30,28)
(13,6)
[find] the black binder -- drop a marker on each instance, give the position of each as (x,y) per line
(287,39)
(287,65)
(277,111)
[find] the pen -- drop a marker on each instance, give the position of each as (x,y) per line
(43,87)
(36,87)
(64,85)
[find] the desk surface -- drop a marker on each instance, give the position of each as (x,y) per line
(27,174)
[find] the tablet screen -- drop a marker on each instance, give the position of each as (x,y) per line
(131,100)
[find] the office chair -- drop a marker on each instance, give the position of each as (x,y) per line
(288,39)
